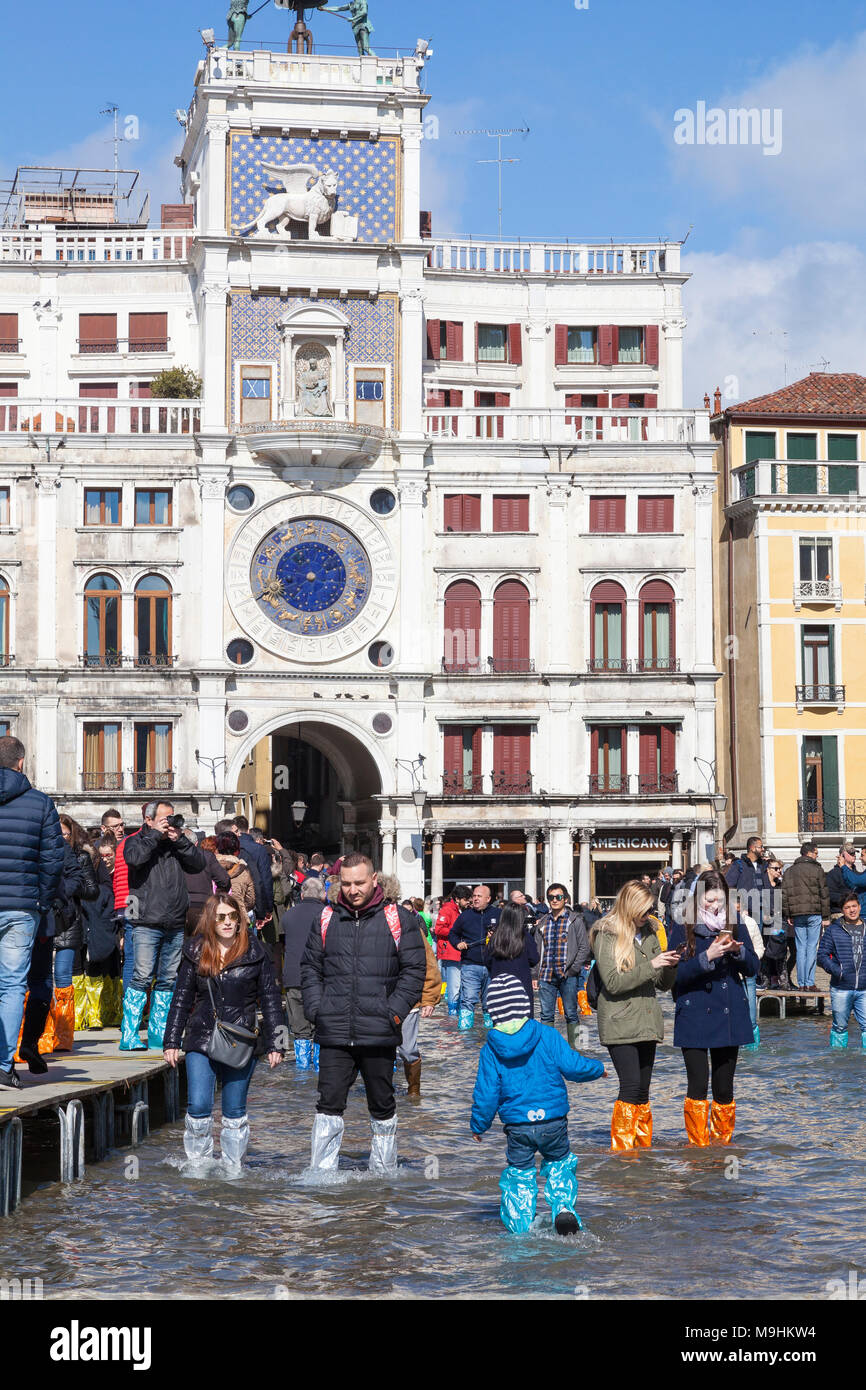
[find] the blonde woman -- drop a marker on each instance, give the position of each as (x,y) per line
(631,966)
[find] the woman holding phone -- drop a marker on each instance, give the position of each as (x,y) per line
(631,966)
(712,1019)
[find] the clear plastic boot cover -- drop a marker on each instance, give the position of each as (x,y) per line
(383,1149)
(198,1138)
(234,1139)
(327,1138)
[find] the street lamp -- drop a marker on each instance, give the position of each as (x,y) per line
(419,796)
(299,810)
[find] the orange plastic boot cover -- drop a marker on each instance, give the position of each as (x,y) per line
(722,1119)
(623,1126)
(697,1114)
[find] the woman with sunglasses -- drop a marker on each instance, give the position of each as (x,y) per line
(225,961)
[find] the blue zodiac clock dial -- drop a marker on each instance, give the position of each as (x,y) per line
(311,576)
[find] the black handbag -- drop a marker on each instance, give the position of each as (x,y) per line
(593,986)
(229,1043)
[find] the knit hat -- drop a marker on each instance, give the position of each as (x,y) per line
(507,1000)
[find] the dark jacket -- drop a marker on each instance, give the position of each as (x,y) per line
(246,982)
(258,859)
(77,886)
(100,918)
(856,883)
(804,889)
(31,845)
(473,927)
(577,950)
(200,885)
(836,956)
(296,929)
(711,1005)
(837,887)
(750,882)
(158,867)
(359,987)
(522,966)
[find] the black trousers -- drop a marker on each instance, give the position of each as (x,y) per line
(339,1068)
(634,1067)
(723,1061)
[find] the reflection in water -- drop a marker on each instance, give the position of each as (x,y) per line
(666,1223)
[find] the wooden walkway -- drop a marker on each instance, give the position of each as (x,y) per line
(92,1098)
(801,1001)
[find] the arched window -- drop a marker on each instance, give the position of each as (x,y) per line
(153,621)
(511,627)
(608,627)
(657,627)
(462,627)
(102,621)
(5,605)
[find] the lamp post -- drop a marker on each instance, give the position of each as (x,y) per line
(216,798)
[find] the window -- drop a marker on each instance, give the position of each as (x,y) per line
(153,621)
(153,506)
(102,769)
(842,448)
(511,627)
(630,347)
(816,561)
(462,512)
(818,663)
(490,426)
(102,506)
(5,611)
(8,413)
(102,621)
(239,651)
(152,770)
(148,332)
(5,506)
(759,446)
(843,479)
(512,745)
(574,345)
(255,395)
(462,760)
(655,514)
(608,627)
(380,654)
(499,342)
(607,513)
(802,478)
(462,638)
(382,501)
(607,759)
(5,727)
(240,498)
(444,340)
(657,758)
(441,424)
(8,332)
(97,332)
(97,419)
(820,809)
(657,610)
(510,513)
(801,446)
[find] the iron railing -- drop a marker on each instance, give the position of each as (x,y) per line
(645,665)
(456,783)
(612,665)
(510,665)
(100,661)
(502,783)
(820,694)
(832,817)
(7,659)
(507,784)
(657,783)
(609,784)
(102,781)
(153,781)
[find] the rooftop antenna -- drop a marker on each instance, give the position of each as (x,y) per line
(112,110)
(772,333)
(820,366)
(498,136)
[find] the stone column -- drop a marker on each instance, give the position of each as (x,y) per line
(557,652)
(47,483)
(414,627)
(584,887)
(671,382)
(677,847)
(436,868)
(216,391)
(531,872)
(388,836)
(411,135)
(44,755)
(213,478)
(412,356)
(561,864)
(215,178)
(704,494)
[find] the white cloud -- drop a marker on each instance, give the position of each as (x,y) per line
(739,307)
(447,167)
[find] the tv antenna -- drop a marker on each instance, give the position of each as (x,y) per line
(776,333)
(113,110)
(498,136)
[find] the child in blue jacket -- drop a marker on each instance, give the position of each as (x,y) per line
(520,1075)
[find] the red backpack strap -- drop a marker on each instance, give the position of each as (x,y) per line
(392,917)
(325,918)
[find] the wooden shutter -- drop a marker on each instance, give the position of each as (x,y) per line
(462,637)
(97,332)
(607,513)
(648,743)
(830,781)
(651,401)
(9,333)
(655,513)
(8,414)
(668,750)
(511,756)
(436,400)
(454,342)
(452,756)
(515,344)
(453,513)
(511,627)
(560,342)
(608,344)
(433,339)
(176,215)
(146,331)
(651,344)
(471,513)
(88,417)
(476,758)
(8,388)
(511,513)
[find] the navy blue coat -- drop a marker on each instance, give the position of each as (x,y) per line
(711,1005)
(856,884)
(474,928)
(31,845)
(836,956)
(258,857)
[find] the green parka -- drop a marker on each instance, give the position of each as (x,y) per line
(628,1011)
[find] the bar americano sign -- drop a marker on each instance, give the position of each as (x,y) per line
(631,841)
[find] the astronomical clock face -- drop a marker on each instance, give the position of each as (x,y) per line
(311,578)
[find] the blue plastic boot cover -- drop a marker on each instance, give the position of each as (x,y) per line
(316,1056)
(452,1009)
(488,1021)
(560,1187)
(519,1188)
(838,1039)
(160,1004)
(303,1053)
(134,1001)
(465,1019)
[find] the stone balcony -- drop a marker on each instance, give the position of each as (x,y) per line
(90,247)
(73,415)
(486,256)
(326,442)
(514,425)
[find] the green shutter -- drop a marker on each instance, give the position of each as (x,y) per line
(841,447)
(802,446)
(760,446)
(830,778)
(831,654)
(802,478)
(842,479)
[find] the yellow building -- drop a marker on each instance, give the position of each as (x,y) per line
(791,614)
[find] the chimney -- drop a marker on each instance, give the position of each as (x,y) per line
(176,215)
(717,401)
(706,400)
(426,229)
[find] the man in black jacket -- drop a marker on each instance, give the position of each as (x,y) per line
(296,924)
(836,885)
(362,972)
(159,857)
(258,858)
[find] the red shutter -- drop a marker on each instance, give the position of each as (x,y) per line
(476,342)
(8,388)
(651,401)
(8,414)
(455,398)
(647,759)
(651,344)
(97,332)
(454,342)
(452,519)
(560,341)
(515,344)
(462,641)
(88,418)
(668,755)
(511,627)
(511,757)
(573,401)
(511,513)
(148,332)
(608,344)
(452,756)
(435,400)
(476,759)
(655,514)
(433,339)
(603,401)
(607,513)
(176,215)
(501,399)
(593,756)
(8,332)
(471,513)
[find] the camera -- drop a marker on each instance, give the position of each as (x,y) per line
(176,822)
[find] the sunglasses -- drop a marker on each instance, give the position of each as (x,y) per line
(227,917)
(556,897)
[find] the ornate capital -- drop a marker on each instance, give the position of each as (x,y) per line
(213,486)
(704,492)
(218,125)
(438,837)
(557,494)
(531,837)
(211,290)
(411,491)
(586,833)
(674,328)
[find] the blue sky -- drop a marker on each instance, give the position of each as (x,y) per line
(776,246)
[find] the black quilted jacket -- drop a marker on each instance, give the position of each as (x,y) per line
(248,981)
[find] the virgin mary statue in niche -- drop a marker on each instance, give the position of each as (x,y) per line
(313,380)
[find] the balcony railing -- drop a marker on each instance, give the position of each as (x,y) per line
(95,247)
(7,659)
(817,591)
(649,665)
(101,660)
(457,783)
(608,665)
(94,345)
(502,783)
(9,344)
(96,661)
(525,426)
(820,694)
(503,256)
(609,784)
(641,666)
(161,659)
(657,783)
(153,781)
(493,665)
(72,415)
(767,479)
(831,817)
(507,784)
(462,668)
(102,781)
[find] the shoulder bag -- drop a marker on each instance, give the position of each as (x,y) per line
(228,1043)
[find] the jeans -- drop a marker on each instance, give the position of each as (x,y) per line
(450,972)
(63,963)
(547,1137)
(750,984)
(128,954)
(17,931)
(566,987)
(201,1078)
(842,1001)
(807,933)
(157,952)
(474,980)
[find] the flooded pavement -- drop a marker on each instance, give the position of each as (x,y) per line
(671,1222)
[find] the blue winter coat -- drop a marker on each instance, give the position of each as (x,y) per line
(836,956)
(711,1005)
(858,883)
(31,845)
(473,927)
(521,1075)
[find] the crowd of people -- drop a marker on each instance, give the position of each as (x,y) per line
(189,935)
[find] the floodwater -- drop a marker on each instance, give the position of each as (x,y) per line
(671,1222)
